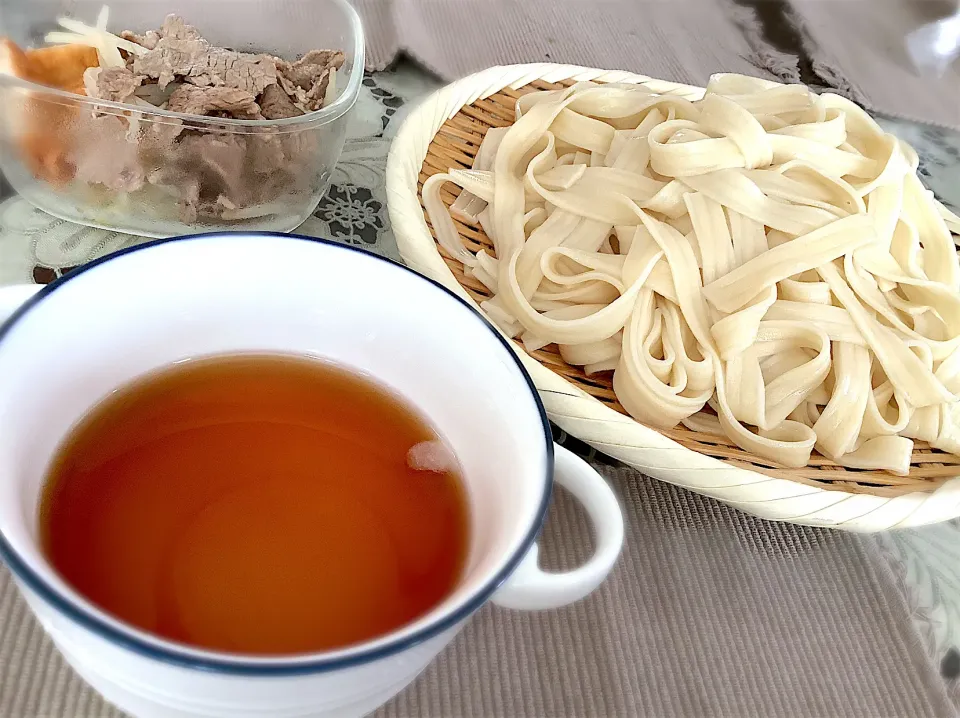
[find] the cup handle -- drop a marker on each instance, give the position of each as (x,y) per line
(12,297)
(532,588)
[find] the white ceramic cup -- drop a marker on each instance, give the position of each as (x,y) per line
(70,344)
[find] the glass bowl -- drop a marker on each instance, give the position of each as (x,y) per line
(152,172)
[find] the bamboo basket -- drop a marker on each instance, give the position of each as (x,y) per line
(446,131)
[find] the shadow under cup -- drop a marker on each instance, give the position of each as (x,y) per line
(116,319)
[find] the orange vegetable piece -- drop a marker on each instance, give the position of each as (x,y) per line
(45,122)
(46,155)
(62,66)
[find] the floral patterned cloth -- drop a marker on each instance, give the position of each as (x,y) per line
(35,247)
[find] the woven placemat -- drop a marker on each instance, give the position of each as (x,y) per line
(710,612)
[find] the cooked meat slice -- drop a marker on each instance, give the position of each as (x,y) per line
(306,79)
(189,200)
(149,39)
(305,72)
(169,59)
(220,101)
(275,104)
(155,95)
(219,159)
(266,152)
(176,28)
(157,138)
(116,84)
(222,153)
(119,168)
(203,65)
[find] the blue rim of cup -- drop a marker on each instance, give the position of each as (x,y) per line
(297,664)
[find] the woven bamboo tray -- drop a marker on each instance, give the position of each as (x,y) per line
(446,132)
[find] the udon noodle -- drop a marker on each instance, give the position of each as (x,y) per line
(762,263)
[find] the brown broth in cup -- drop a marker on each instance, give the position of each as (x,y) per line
(257,504)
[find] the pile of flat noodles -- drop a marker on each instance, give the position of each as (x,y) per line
(764,252)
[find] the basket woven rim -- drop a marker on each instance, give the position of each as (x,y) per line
(459,116)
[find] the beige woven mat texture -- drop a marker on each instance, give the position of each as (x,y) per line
(709,613)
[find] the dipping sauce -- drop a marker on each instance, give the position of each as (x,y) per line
(257,504)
